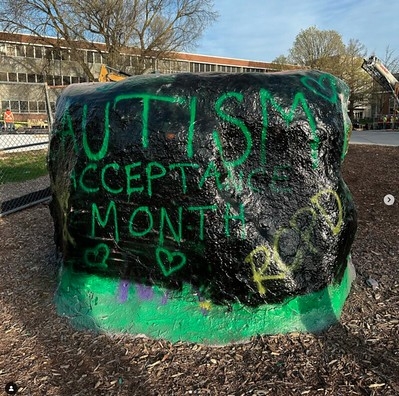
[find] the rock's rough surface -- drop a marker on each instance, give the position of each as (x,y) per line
(229,184)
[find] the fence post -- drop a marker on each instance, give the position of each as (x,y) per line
(48,107)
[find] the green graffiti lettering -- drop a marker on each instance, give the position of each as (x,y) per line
(181,167)
(72,176)
(96,218)
(174,260)
(104,145)
(279,178)
(265,125)
(153,176)
(240,217)
(145,210)
(238,123)
(211,171)
(324,86)
(252,174)
(67,130)
(190,138)
(164,217)
(97,257)
(288,116)
(146,98)
(201,210)
(134,177)
(82,185)
(116,168)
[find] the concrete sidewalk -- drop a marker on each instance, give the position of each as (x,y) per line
(376,137)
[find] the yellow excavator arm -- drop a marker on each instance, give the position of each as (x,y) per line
(109,74)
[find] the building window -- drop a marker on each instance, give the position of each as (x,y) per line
(134,60)
(49,79)
(90,56)
(125,60)
(5,104)
(93,57)
(30,52)
(33,107)
(66,80)
(12,77)
(40,78)
(210,67)
(14,106)
(20,50)
(10,50)
(199,67)
(38,52)
(21,77)
(41,106)
(32,78)
(24,106)
(49,54)
(3,76)
(57,54)
(65,54)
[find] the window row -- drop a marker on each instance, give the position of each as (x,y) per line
(34,51)
(39,78)
(211,67)
(168,65)
(25,106)
(50,53)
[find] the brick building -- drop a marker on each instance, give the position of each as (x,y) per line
(27,62)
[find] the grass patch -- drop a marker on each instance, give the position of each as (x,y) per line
(20,167)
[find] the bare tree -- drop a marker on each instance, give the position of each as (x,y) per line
(324,50)
(317,49)
(390,60)
(155,28)
(281,62)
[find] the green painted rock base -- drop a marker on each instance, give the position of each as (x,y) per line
(104,304)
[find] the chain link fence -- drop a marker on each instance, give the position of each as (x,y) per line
(24,179)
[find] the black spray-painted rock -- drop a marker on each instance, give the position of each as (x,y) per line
(228,182)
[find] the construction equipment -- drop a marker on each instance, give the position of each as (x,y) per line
(382,75)
(110,74)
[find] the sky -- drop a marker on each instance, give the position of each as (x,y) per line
(264,29)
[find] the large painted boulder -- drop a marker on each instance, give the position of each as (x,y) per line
(203,207)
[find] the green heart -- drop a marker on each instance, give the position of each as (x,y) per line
(98,256)
(324,86)
(170,257)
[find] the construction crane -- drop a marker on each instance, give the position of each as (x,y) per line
(382,75)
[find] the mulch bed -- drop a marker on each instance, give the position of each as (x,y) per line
(43,355)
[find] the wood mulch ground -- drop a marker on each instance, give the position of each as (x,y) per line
(43,355)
